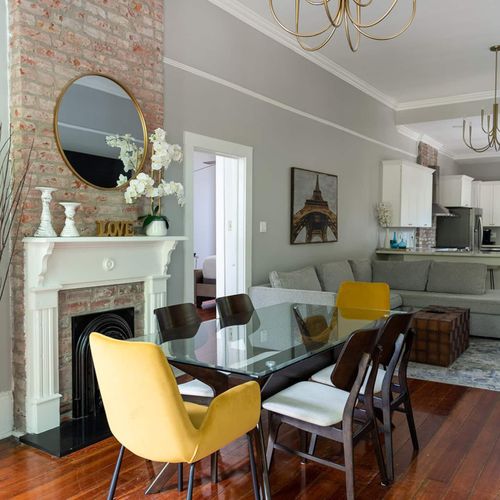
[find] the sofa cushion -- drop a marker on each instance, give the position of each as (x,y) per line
(457,277)
(402,275)
(332,274)
(361,269)
(396,300)
(488,303)
(302,279)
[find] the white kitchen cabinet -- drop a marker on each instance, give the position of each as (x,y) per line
(488,199)
(408,188)
(455,190)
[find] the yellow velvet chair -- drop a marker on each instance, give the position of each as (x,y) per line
(363,295)
(147,415)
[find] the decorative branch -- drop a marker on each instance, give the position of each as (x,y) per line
(13,196)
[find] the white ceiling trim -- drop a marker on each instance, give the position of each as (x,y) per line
(418,137)
(248,16)
(278,104)
(477,156)
(443,101)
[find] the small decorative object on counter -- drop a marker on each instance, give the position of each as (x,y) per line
(114,228)
(394,241)
(154,186)
(45,229)
(402,244)
(384,218)
(69,229)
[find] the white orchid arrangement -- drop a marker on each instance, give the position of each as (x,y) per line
(153,186)
(130,154)
(384,213)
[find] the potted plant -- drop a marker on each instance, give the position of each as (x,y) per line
(152,186)
(384,218)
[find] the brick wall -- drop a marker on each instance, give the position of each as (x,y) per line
(427,156)
(52,41)
(89,300)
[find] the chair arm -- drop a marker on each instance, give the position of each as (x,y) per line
(230,415)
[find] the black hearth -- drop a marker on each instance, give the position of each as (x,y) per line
(88,424)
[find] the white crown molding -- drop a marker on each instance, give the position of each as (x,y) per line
(443,101)
(278,104)
(477,156)
(418,137)
(248,16)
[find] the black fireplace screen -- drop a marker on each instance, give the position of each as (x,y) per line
(118,324)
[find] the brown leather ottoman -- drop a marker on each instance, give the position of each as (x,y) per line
(442,335)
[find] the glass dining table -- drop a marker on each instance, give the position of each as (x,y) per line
(276,346)
(291,340)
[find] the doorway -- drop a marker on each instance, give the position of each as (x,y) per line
(218,218)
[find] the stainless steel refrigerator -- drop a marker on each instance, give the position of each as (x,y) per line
(463,230)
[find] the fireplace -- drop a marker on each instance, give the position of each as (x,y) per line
(118,324)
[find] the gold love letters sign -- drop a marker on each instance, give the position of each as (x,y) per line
(114,228)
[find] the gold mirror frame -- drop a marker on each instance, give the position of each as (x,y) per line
(58,139)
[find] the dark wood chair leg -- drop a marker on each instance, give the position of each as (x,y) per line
(116,473)
(214,462)
(253,467)
(349,464)
(303,445)
(312,444)
(389,459)
(380,455)
(180,478)
(191,481)
(274,425)
(411,422)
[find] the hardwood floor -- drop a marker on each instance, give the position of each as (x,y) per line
(459,458)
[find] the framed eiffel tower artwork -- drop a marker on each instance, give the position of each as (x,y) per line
(314,207)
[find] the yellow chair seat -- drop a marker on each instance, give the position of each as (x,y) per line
(196,413)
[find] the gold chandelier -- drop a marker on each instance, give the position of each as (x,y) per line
(338,12)
(491,129)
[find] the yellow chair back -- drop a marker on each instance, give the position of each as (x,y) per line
(363,295)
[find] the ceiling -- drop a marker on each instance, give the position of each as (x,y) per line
(443,58)
(444,52)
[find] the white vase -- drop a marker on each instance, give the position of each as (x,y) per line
(45,229)
(69,230)
(156,228)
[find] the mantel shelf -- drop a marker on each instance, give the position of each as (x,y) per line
(104,239)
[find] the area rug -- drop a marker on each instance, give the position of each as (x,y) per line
(478,366)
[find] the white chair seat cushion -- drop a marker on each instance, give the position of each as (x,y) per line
(324,377)
(177,373)
(196,387)
(310,402)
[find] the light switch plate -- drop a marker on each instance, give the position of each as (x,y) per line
(263,226)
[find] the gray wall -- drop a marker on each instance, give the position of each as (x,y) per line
(204,37)
(484,171)
(5,320)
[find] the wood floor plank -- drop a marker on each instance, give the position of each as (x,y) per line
(459,458)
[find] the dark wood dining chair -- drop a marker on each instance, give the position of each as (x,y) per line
(234,309)
(395,338)
(331,412)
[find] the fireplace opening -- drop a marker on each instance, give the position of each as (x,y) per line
(118,324)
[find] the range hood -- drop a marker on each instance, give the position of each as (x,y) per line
(438,210)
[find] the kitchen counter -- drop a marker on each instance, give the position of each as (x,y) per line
(490,258)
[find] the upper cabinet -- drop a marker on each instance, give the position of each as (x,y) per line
(455,190)
(408,187)
(487,197)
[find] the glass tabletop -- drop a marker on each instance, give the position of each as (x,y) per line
(270,339)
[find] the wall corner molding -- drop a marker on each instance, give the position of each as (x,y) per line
(6,414)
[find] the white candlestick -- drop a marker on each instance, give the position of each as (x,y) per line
(45,229)
(69,230)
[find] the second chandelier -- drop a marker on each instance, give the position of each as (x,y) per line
(350,13)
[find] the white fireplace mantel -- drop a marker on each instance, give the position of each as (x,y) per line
(54,264)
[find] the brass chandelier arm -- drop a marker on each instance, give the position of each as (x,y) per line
(293,32)
(339,16)
(353,46)
(317,47)
(388,37)
(377,21)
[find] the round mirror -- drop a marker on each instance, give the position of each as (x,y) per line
(100,131)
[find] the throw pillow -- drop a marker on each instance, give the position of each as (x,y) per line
(302,279)
(361,269)
(331,274)
(457,277)
(402,275)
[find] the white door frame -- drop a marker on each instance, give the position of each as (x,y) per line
(199,142)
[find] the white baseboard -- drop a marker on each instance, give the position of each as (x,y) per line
(6,414)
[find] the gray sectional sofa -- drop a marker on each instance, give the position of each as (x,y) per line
(417,284)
